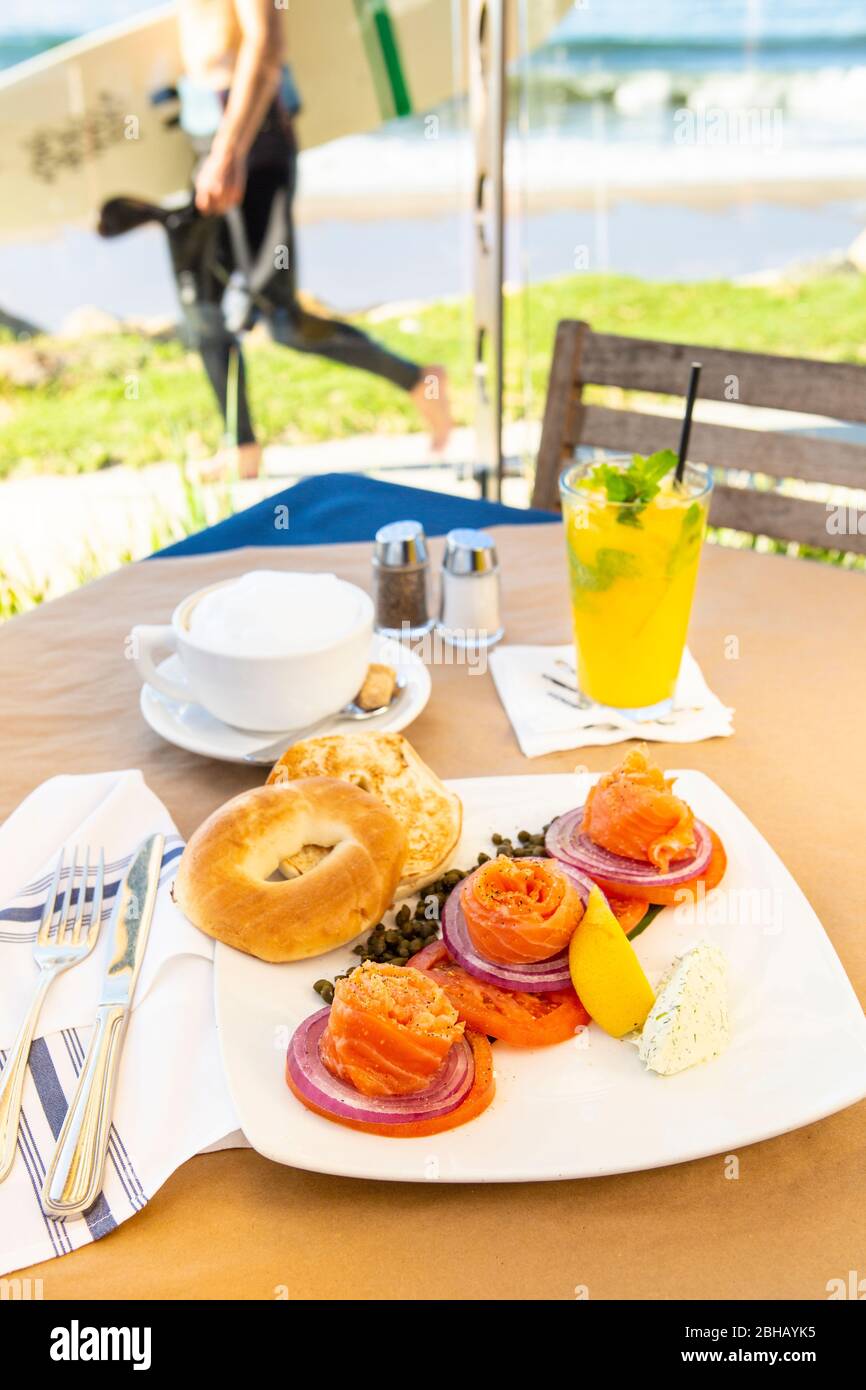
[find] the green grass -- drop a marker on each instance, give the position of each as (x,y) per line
(124,399)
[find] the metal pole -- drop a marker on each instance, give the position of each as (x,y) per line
(487,107)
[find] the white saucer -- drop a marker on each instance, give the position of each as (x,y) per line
(189,726)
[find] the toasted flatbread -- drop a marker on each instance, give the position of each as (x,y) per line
(388,766)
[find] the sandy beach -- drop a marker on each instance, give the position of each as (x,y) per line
(355,254)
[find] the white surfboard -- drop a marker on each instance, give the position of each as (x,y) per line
(77,124)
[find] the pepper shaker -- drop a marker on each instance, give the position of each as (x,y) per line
(401,580)
(470,610)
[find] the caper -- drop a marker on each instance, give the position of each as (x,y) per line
(496,838)
(402,915)
(392,937)
(325,989)
(403,950)
(483,858)
(416,944)
(524,836)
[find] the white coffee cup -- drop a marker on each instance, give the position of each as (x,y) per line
(271,692)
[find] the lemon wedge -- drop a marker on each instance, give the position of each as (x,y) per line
(606,972)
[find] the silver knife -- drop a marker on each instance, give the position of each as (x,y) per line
(74,1177)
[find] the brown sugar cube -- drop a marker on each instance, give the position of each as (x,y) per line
(378,687)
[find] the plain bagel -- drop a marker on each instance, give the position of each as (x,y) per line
(225,881)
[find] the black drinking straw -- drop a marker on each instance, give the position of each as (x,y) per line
(687,420)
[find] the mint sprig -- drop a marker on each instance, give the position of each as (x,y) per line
(634,486)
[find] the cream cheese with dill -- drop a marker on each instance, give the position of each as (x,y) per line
(688,1023)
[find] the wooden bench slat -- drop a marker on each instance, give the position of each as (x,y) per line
(563,412)
(780,517)
(830,389)
(834,389)
(724,446)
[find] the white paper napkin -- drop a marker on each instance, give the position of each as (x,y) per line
(171,1099)
(544,724)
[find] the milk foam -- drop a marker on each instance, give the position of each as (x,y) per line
(275,613)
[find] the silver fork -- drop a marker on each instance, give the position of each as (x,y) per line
(53,955)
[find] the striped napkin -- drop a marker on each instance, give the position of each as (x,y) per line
(171,1099)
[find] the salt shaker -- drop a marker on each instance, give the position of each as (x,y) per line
(470,613)
(401,580)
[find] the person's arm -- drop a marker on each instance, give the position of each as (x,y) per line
(222,177)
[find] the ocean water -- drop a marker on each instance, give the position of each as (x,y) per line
(621,72)
(805,59)
(637,56)
(764,93)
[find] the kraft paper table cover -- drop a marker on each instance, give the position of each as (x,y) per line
(781,641)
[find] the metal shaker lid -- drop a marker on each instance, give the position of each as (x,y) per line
(400,543)
(469,552)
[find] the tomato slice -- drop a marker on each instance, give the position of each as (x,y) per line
(673,896)
(628,911)
(526,1020)
(478,1099)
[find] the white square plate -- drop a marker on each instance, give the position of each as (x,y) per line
(587,1107)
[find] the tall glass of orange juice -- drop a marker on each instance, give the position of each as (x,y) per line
(633,536)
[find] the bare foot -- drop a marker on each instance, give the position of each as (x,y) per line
(431,398)
(242,462)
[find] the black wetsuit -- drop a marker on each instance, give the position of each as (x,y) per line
(261,233)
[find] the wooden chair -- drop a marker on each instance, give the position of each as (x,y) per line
(833,389)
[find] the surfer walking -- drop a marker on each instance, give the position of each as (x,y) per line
(238,105)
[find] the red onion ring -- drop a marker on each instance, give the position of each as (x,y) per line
(448,1088)
(538,977)
(572,847)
